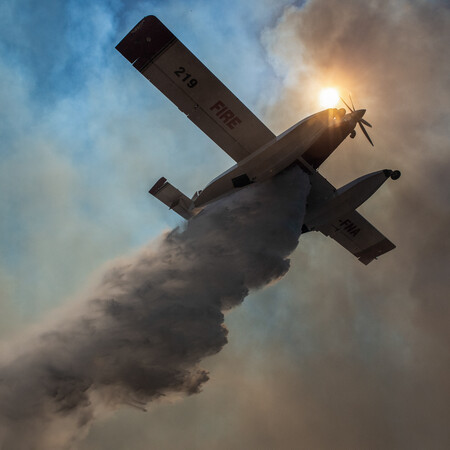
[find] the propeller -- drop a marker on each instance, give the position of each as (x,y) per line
(361,121)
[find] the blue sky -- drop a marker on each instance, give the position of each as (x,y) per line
(79,142)
(334,347)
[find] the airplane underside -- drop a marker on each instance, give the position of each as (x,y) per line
(259,154)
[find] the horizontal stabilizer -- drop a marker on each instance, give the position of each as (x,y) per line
(173,198)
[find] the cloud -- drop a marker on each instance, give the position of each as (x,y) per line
(79,148)
(337,354)
(374,370)
(153,317)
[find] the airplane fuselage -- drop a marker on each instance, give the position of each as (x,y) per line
(309,143)
(260,155)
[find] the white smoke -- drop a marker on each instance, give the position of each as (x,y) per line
(152,318)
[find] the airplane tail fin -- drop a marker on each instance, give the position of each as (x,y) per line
(173,198)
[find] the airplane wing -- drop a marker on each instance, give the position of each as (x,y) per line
(350,229)
(358,236)
(180,76)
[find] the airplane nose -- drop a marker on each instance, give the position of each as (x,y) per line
(358,115)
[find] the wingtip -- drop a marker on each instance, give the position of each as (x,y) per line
(157,186)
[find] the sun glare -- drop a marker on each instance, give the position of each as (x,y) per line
(329,97)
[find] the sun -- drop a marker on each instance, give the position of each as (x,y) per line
(329,97)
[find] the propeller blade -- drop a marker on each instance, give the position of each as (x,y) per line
(350,95)
(365,132)
(345,103)
(366,123)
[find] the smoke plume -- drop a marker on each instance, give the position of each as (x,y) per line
(371,362)
(152,318)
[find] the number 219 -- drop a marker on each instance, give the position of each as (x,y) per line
(181,73)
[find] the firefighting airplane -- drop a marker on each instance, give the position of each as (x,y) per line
(259,154)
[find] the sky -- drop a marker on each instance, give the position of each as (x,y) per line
(335,354)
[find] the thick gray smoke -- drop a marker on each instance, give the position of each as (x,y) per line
(378,375)
(151,320)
